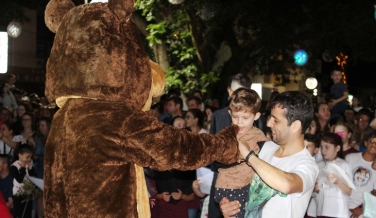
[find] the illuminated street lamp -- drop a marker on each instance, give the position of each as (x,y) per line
(311,83)
(14,29)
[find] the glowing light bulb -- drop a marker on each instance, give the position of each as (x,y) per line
(14,29)
(300,57)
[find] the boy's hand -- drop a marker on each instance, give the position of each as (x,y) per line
(229,208)
(244,150)
(196,184)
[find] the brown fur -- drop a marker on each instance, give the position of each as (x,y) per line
(100,139)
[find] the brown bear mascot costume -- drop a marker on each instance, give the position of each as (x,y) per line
(101,78)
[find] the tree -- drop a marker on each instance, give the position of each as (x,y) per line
(261,36)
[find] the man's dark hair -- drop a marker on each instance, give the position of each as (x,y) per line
(297,105)
(177,100)
(5,159)
(242,79)
(370,135)
(197,99)
(363,111)
(173,92)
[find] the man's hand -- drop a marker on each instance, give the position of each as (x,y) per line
(166,196)
(177,195)
(229,208)
(244,150)
(356,212)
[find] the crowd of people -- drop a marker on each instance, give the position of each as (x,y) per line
(334,132)
(25,121)
(337,133)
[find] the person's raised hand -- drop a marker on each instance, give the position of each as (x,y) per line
(196,184)
(177,195)
(229,208)
(166,196)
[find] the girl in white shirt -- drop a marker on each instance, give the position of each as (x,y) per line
(332,198)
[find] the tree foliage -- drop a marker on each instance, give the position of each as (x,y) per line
(262,36)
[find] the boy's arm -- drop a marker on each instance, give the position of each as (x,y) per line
(344,97)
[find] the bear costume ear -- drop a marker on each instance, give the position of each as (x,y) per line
(122,8)
(55,12)
(158,79)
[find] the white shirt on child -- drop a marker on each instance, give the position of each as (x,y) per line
(303,164)
(363,176)
(8,149)
(331,201)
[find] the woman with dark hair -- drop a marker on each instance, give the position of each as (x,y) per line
(322,112)
(195,121)
(27,129)
(44,126)
(7,98)
(21,110)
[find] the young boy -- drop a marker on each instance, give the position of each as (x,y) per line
(234,182)
(339,90)
(311,144)
(363,175)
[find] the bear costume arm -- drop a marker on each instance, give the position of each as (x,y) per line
(168,147)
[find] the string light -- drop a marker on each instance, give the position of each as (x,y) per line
(341,62)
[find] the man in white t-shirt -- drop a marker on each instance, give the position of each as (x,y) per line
(285,170)
(363,175)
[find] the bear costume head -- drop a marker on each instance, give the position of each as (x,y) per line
(101,137)
(98,54)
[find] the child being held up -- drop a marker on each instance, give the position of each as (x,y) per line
(234,182)
(21,167)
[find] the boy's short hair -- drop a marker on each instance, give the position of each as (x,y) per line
(177,100)
(245,99)
(337,68)
(313,139)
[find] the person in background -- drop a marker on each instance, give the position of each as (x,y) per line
(195,121)
(363,119)
(179,122)
(345,132)
(356,103)
(194,102)
(322,112)
(6,181)
(339,90)
(363,175)
(19,169)
(44,126)
(332,199)
(6,97)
